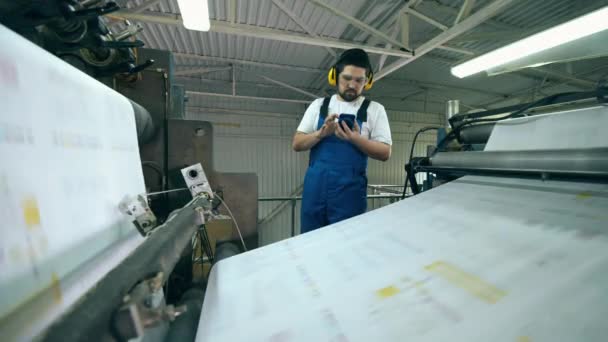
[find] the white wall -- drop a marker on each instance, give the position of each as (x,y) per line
(261,143)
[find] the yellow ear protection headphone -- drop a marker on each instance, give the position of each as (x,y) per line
(332,76)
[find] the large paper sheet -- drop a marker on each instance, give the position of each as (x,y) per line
(477,259)
(69,154)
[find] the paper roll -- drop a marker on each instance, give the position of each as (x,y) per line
(69,154)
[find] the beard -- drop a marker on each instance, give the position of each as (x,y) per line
(349,95)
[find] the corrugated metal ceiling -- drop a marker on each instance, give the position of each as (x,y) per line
(521,16)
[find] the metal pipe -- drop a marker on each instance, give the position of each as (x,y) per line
(452,107)
(293,217)
(130,31)
(294,199)
(143,123)
(184,327)
(158,253)
(299,198)
(224,251)
(580,162)
(386,189)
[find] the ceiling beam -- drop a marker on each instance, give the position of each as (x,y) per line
(565,77)
(285,85)
(192,82)
(297,114)
(503,29)
(261,32)
(499,35)
(427,19)
(465,10)
(359,24)
(437,6)
(404,25)
(233,80)
(199,71)
(232,11)
(392,100)
(413,93)
(242,112)
(144,6)
(432,85)
(298,20)
(390,82)
(455,49)
(441,27)
(246,62)
(533,73)
(363,12)
(526,92)
(456,30)
(242,97)
(414,3)
(383,58)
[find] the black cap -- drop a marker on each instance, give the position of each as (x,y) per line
(356,57)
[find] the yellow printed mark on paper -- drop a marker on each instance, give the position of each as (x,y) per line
(31,214)
(524,339)
(584,195)
(388,291)
(468,282)
(56,287)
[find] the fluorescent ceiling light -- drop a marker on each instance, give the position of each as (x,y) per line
(577,28)
(195,14)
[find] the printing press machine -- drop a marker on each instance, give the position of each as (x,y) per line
(521,152)
(112,211)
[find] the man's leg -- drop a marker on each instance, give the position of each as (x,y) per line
(347,197)
(314,203)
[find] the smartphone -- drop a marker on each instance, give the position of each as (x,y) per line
(348,118)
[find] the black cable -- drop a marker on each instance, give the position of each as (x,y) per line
(542,102)
(424,129)
(446,139)
(203,246)
(153,166)
(207,243)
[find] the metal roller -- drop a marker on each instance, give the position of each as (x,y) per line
(226,250)
(476,134)
(581,162)
(143,122)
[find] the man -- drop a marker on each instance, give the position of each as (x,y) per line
(335,186)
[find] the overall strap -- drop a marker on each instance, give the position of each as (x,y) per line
(362,112)
(324,107)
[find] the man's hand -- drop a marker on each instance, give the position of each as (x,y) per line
(373,149)
(304,141)
(345,133)
(329,126)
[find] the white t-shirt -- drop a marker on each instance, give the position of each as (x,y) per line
(376,127)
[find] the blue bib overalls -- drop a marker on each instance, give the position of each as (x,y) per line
(335,185)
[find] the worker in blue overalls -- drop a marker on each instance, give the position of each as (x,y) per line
(341,132)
